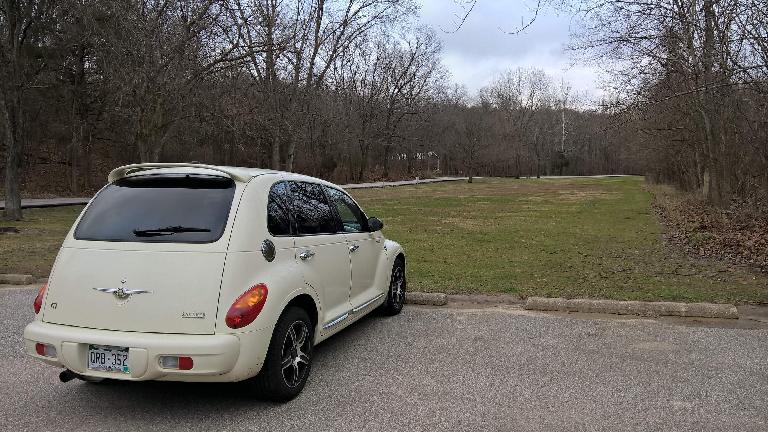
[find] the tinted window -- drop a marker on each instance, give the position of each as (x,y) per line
(278,214)
(311,211)
(179,208)
(352,218)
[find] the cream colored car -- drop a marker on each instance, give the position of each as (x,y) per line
(190,272)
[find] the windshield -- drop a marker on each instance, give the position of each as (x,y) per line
(177,208)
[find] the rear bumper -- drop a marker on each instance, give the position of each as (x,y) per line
(216,357)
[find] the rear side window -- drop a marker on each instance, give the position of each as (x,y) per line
(311,210)
(278,213)
(167,208)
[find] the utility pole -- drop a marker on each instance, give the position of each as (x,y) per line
(562,140)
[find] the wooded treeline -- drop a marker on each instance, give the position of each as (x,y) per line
(691,79)
(347,90)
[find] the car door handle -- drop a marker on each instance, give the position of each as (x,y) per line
(354,248)
(307,254)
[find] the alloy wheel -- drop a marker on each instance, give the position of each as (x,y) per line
(397,290)
(295,354)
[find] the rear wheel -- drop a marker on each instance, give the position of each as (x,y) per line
(396,293)
(289,357)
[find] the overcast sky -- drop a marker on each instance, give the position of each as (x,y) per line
(480,49)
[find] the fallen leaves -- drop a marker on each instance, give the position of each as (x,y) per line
(733,235)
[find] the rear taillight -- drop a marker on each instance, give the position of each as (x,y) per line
(45,350)
(247,307)
(39,299)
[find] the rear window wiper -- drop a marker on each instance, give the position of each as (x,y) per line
(169,230)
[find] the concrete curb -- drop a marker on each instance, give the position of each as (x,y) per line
(422,298)
(702,310)
(17,279)
(493,299)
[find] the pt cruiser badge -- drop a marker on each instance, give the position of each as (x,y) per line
(122,293)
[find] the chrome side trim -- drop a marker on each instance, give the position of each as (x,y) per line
(335,321)
(366,304)
(345,315)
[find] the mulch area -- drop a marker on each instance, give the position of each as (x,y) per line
(735,235)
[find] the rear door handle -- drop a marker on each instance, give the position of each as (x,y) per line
(354,247)
(307,254)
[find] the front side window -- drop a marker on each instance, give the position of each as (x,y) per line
(311,210)
(352,218)
(159,208)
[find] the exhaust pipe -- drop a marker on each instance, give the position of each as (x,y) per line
(67,375)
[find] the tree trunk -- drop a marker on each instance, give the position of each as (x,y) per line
(386,161)
(275,156)
(291,156)
(74,155)
(718,190)
(470,165)
(363,159)
(87,175)
(14,153)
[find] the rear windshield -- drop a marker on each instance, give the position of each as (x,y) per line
(179,208)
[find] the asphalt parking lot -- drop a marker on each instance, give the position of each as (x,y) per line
(435,369)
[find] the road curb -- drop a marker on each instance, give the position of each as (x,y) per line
(493,299)
(17,279)
(429,299)
(701,310)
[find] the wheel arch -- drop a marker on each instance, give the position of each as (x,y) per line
(394,252)
(308,304)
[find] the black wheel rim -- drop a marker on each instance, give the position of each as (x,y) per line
(397,287)
(295,354)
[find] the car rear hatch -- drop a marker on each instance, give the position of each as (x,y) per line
(147,255)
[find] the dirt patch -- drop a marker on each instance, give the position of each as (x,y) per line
(574,196)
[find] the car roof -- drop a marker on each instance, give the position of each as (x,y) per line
(240,174)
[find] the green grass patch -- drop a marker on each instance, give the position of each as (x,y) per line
(34,248)
(574,238)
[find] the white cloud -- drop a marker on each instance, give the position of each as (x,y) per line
(481,48)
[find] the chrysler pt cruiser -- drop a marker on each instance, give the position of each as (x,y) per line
(191,272)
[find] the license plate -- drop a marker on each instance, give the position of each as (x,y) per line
(108,358)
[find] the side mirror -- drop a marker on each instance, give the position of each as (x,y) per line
(374,224)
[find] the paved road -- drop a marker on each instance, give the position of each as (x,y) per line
(401,183)
(49,202)
(436,370)
(59,202)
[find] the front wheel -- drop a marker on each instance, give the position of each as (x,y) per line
(396,293)
(289,358)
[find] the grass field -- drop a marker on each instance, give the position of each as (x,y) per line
(593,238)
(33,250)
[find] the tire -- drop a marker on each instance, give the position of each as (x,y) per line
(396,292)
(289,358)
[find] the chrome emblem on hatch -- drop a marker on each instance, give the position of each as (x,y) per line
(122,293)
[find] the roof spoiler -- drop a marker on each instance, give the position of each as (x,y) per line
(125,170)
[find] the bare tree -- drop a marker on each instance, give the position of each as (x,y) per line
(23,26)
